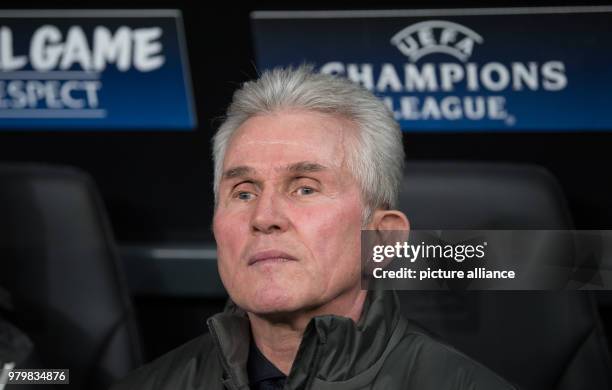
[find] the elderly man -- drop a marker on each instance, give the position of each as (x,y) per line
(303,163)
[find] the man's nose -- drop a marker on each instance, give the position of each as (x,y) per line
(269,214)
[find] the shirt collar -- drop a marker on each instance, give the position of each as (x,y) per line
(260,368)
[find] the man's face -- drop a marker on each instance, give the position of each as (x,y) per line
(288,219)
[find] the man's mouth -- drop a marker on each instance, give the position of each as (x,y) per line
(270,256)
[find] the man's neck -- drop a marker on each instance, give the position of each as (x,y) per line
(278,337)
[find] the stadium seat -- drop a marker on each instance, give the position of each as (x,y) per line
(60,265)
(535,339)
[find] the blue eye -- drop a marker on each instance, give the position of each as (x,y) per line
(243,195)
(305,191)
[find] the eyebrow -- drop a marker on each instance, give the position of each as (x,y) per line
(296,168)
(240,171)
(305,167)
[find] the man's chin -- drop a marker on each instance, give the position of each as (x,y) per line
(269,304)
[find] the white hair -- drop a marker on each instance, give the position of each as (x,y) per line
(376,160)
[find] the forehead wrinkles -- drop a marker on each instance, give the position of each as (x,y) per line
(252,141)
(349,141)
(340,128)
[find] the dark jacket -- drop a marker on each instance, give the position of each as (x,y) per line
(381,351)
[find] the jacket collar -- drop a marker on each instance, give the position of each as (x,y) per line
(333,347)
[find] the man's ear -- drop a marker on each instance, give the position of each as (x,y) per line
(389,220)
(389,227)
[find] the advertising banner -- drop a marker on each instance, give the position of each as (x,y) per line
(94,69)
(493,69)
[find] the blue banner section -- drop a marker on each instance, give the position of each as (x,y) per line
(94,69)
(502,69)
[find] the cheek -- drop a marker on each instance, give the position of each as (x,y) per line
(229,228)
(230,236)
(335,240)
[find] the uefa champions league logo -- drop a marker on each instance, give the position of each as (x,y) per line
(436,36)
(457,86)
